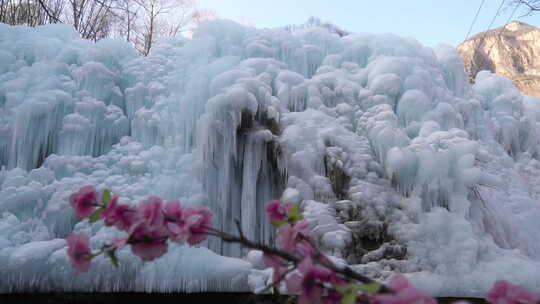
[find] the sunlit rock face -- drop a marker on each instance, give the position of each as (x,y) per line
(512,51)
(397,161)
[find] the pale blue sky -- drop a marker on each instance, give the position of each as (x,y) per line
(429,21)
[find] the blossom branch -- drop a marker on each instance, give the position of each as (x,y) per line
(296,260)
(345,271)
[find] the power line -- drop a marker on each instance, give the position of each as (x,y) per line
(495,17)
(481,42)
(503,28)
(474,20)
(512,15)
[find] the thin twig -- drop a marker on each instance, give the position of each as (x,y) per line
(345,271)
(47,11)
(229,238)
(239,227)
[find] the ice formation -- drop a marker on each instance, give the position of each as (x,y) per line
(399,163)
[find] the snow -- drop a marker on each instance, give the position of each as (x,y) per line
(398,163)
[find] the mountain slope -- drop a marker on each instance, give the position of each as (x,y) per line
(512,51)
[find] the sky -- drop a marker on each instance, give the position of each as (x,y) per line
(428,21)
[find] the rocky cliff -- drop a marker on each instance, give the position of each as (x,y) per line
(512,51)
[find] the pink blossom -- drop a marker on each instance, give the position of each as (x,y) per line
(148,235)
(278,264)
(405,293)
(173,210)
(149,251)
(120,216)
(197,220)
(148,242)
(276,211)
(398,282)
(310,281)
(149,212)
(175,223)
(85,201)
(293,238)
(79,252)
(504,292)
(294,282)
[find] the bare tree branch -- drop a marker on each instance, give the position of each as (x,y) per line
(532,6)
(49,14)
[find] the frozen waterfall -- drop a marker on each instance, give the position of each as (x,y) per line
(398,162)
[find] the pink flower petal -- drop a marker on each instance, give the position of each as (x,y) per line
(197,221)
(276,211)
(150,212)
(149,251)
(405,293)
(79,251)
(84,201)
(278,264)
(175,222)
(293,238)
(504,292)
(147,241)
(398,282)
(120,216)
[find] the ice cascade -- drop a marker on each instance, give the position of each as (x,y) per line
(397,161)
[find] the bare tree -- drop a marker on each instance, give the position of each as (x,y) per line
(139,22)
(125,16)
(316,22)
(30,12)
(158,18)
(142,22)
(93,19)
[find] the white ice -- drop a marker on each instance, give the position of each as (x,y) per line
(372,134)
